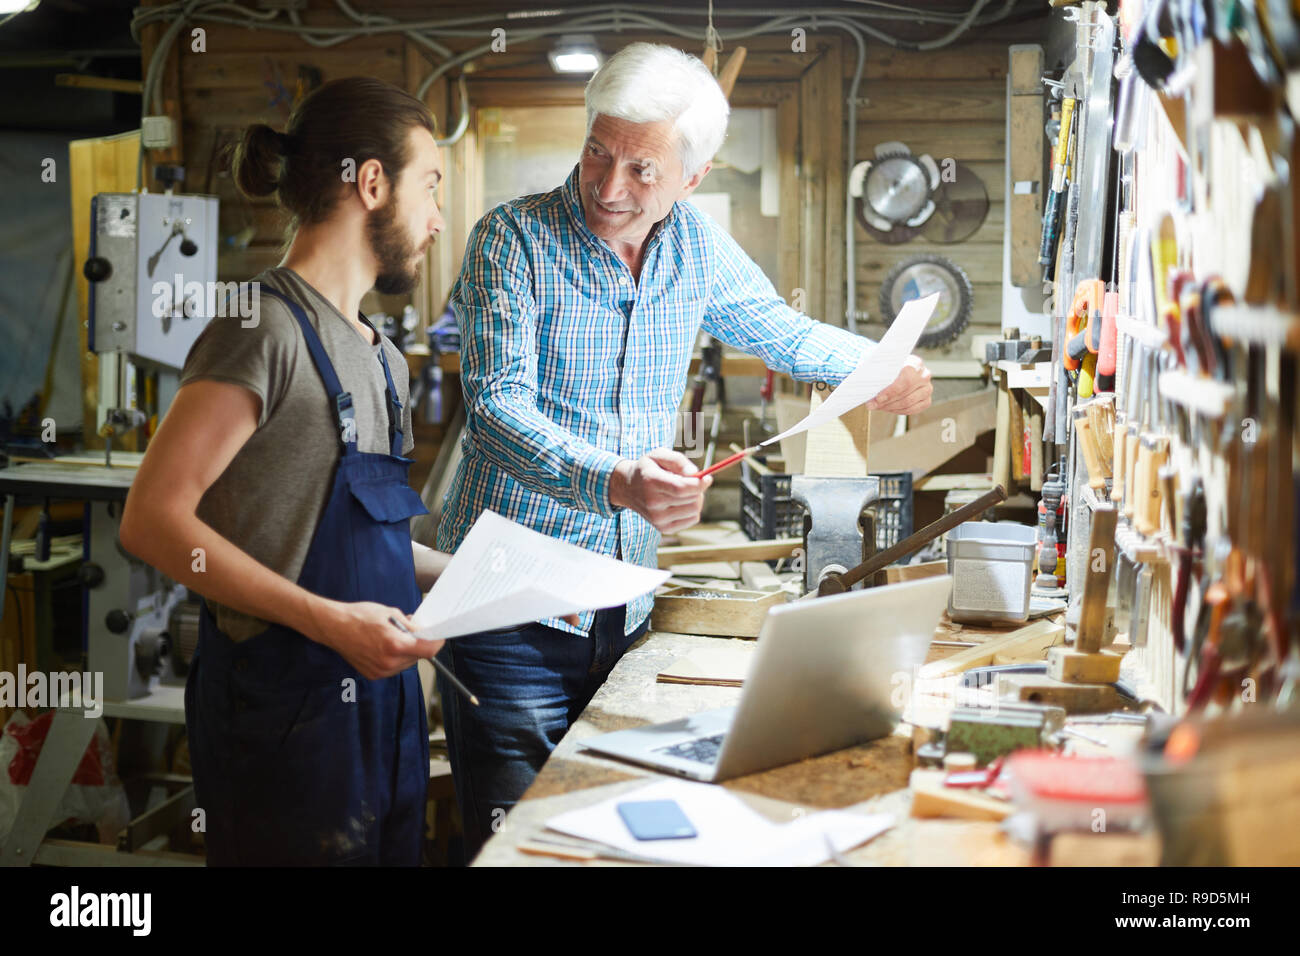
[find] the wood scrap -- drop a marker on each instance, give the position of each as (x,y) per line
(924,448)
(914,572)
(1032,639)
(930,798)
(837,448)
(728,613)
(757,576)
(697,571)
(765,550)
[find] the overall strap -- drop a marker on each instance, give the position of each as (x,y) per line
(342,400)
(394,406)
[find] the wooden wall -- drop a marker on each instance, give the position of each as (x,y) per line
(948,103)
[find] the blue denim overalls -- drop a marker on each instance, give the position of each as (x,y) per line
(297,758)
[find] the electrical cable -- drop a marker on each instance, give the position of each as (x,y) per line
(613,19)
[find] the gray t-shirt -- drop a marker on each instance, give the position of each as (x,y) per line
(270,498)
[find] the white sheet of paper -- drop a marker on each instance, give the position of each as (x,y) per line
(878,367)
(728,832)
(504,574)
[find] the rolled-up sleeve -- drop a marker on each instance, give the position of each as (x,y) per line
(745,311)
(496,310)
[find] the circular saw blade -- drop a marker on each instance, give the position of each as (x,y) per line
(961,207)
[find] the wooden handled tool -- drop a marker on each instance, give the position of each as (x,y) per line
(1131,444)
(1143,485)
(1088,446)
(1151,457)
(1169,521)
(1121,469)
(1100,427)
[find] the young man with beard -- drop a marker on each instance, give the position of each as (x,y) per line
(276,487)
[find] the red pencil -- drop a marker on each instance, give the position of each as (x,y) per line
(718,466)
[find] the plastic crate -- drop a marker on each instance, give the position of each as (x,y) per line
(893,509)
(767,510)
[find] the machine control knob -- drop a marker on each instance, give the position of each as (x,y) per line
(117,621)
(91,575)
(97,269)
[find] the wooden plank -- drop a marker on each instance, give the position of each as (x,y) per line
(897,573)
(979,61)
(235,67)
(837,449)
(1101,551)
(789,221)
(938,411)
(1075,698)
(758,576)
(963,140)
(978,482)
(930,798)
(982,261)
(1002,441)
(1080,667)
(814,91)
(1035,637)
(831,119)
(1027,163)
(1015,436)
(767,550)
(922,450)
(931,101)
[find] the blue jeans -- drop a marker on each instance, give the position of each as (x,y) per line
(532,683)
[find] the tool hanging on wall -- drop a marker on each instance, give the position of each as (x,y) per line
(1054,213)
(918,276)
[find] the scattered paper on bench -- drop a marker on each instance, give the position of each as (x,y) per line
(877,369)
(722,667)
(504,574)
(729,832)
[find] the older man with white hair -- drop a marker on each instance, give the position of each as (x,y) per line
(578,310)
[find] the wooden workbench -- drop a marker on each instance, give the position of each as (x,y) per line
(871,777)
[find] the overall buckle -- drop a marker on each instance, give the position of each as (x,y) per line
(347,418)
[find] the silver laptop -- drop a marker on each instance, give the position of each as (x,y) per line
(825,676)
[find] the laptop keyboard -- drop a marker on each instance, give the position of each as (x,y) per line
(701,750)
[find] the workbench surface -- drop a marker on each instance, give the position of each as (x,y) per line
(871,777)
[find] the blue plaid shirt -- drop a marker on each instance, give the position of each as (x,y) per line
(569,365)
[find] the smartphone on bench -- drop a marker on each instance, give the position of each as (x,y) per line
(656,820)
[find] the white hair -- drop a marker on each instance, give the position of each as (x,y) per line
(648,83)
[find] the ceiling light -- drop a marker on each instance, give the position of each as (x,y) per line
(17,6)
(575,53)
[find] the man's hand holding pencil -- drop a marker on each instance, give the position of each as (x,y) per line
(663,486)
